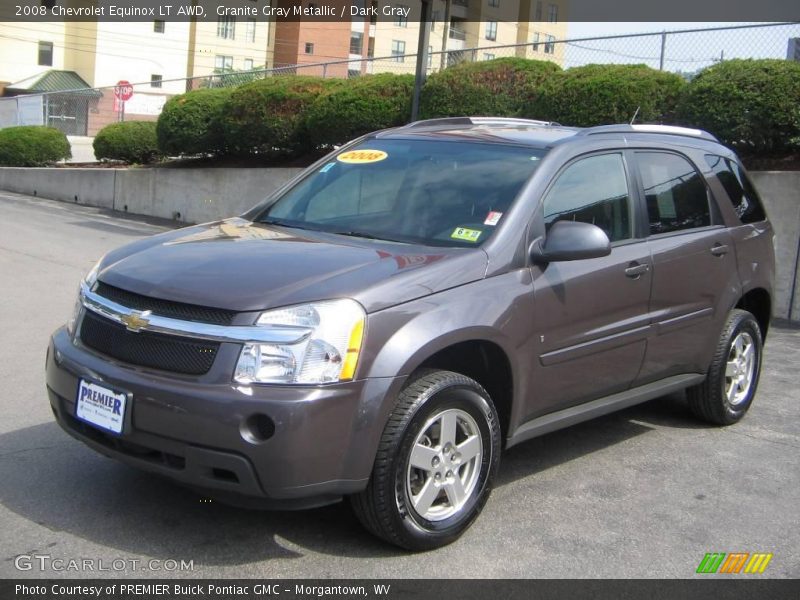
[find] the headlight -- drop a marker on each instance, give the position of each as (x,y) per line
(89,281)
(328,354)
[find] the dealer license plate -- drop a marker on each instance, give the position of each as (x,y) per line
(100,406)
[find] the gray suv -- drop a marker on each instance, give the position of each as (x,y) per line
(384,325)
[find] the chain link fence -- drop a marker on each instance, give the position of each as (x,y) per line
(84,112)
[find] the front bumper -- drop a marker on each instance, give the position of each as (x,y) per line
(199,434)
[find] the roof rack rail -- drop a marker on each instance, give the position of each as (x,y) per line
(644,128)
(477,121)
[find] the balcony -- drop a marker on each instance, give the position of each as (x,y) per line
(457,34)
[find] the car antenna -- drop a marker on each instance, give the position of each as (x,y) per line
(635,114)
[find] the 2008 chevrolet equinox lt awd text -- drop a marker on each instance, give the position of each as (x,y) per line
(385,324)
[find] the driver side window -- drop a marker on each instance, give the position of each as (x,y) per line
(592,190)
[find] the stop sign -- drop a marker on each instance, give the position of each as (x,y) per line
(123,90)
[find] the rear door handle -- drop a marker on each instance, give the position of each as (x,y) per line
(636,270)
(719,250)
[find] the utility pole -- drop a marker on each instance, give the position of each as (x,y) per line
(422,56)
(445,34)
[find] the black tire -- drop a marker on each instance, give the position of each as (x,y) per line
(709,400)
(385,507)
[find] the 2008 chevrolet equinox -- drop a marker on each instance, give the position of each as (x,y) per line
(385,324)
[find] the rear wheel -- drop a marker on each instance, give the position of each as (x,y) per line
(435,464)
(728,391)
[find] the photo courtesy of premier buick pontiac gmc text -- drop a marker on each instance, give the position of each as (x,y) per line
(382,327)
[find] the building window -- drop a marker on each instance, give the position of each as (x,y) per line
(491,30)
(353,73)
(536,37)
(248,64)
(538,14)
(309,48)
(398,50)
(488,56)
(250,34)
(549,45)
(356,42)
(226,28)
(46,54)
(371,47)
(430,56)
(494,3)
(552,14)
(155,80)
(400,20)
(374,16)
(159,26)
(223,63)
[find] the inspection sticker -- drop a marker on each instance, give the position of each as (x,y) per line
(468,235)
(362,156)
(493,218)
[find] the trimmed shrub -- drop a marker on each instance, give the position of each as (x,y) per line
(32,146)
(753,105)
(192,123)
(606,94)
(131,142)
(268,116)
(361,105)
(495,88)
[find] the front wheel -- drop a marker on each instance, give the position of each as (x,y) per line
(728,391)
(435,464)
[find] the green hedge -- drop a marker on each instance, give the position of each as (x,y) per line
(362,105)
(268,116)
(497,88)
(192,123)
(753,105)
(32,146)
(605,94)
(133,142)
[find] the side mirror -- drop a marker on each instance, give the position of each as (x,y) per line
(571,240)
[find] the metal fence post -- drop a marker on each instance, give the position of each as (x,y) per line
(324,71)
(422,56)
(663,46)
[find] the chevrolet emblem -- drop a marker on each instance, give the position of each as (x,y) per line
(137,320)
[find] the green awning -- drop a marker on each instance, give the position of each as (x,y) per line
(53,81)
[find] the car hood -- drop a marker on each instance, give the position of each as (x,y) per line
(243,266)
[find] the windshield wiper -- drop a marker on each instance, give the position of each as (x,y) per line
(366,236)
(289,224)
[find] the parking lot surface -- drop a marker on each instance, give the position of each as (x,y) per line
(645,492)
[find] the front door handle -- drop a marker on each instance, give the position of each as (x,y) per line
(719,249)
(636,270)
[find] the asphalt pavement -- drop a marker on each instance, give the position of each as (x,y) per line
(645,492)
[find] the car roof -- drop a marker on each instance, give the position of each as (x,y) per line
(544,134)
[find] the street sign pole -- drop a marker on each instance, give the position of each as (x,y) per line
(422,56)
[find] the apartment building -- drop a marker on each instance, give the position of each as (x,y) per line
(492,26)
(156,56)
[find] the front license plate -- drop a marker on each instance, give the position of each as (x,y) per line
(100,406)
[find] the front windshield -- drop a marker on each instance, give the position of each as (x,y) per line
(431,192)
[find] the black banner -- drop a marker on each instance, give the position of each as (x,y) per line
(122,11)
(417,589)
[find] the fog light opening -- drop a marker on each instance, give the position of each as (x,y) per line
(257,428)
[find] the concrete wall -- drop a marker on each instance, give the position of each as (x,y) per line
(200,195)
(780,191)
(188,195)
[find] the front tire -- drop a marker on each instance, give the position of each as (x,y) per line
(435,464)
(728,391)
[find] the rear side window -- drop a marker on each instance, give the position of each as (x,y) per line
(741,192)
(592,190)
(676,194)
